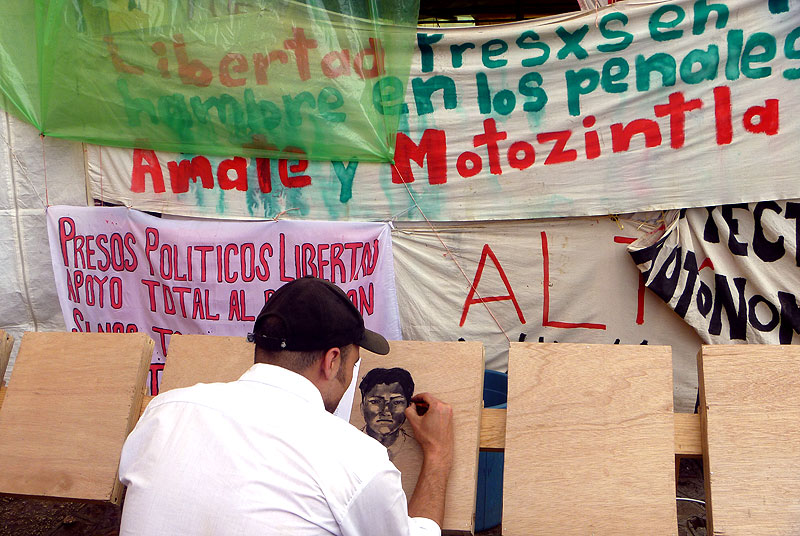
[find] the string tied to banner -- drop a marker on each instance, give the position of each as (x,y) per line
(23,170)
(44,168)
(282,212)
(449,253)
(100,150)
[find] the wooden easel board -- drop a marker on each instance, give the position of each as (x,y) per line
(6,344)
(589,441)
(452,372)
(195,359)
(71,401)
(750,420)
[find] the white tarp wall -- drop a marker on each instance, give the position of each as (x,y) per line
(28,300)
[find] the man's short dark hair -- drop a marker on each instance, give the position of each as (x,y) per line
(379,376)
(296,361)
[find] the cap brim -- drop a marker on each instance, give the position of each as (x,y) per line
(374,342)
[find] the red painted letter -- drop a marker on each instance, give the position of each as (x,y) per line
(145,161)
(471,300)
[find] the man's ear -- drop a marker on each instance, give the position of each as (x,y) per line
(330,363)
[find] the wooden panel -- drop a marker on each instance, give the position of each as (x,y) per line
(453,372)
(71,401)
(493,429)
(750,414)
(195,359)
(589,441)
(688,441)
(6,344)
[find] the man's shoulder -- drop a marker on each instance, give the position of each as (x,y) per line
(211,395)
(347,458)
(192,392)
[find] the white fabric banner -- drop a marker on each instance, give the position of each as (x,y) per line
(120,270)
(636,106)
(731,272)
(564,280)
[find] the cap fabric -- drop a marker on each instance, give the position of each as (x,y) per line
(313,314)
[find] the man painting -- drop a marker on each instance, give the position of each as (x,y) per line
(261,455)
(385,395)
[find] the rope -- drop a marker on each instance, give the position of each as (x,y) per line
(100,150)
(44,164)
(450,253)
(17,222)
(596,13)
(22,168)
(281,213)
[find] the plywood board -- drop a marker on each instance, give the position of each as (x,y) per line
(195,359)
(589,441)
(750,419)
(6,344)
(71,401)
(453,372)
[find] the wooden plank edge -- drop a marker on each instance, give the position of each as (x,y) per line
(493,431)
(707,469)
(6,346)
(688,440)
(138,403)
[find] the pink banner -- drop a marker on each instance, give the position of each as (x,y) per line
(119,270)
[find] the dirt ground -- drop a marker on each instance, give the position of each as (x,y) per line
(691,515)
(30,517)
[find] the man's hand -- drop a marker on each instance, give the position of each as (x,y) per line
(434,429)
(434,432)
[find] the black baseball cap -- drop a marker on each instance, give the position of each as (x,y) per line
(312,314)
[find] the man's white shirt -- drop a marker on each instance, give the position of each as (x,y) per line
(258,456)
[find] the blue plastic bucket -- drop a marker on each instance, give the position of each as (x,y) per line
(489,500)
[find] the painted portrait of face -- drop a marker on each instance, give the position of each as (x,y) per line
(385,395)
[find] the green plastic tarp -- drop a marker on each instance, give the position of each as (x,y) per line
(322,80)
